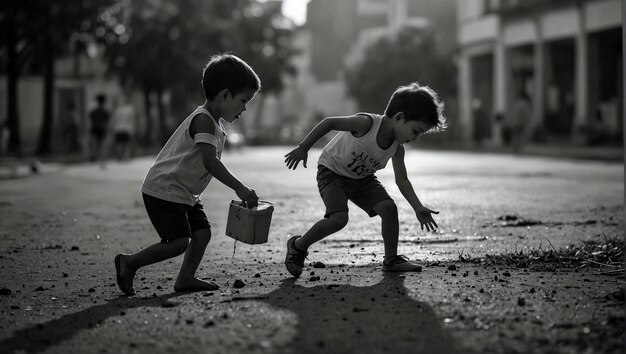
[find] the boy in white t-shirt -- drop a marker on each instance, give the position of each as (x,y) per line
(346,168)
(183,169)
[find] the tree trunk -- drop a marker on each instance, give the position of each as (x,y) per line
(12,118)
(45,136)
(75,61)
(161,112)
(147,133)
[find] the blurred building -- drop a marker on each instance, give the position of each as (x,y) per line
(78,79)
(565,55)
(337,26)
(334,32)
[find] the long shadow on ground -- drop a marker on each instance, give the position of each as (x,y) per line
(40,337)
(382,318)
(333,317)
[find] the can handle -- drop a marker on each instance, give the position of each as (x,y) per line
(242,203)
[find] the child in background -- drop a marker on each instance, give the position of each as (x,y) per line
(123,126)
(346,168)
(182,171)
(99,117)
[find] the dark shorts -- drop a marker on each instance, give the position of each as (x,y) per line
(175,220)
(98,134)
(122,137)
(336,190)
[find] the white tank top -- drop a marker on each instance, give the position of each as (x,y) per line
(178,174)
(354,157)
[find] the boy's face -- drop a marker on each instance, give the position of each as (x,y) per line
(233,106)
(407,131)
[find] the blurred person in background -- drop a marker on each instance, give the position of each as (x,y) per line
(123,124)
(5,134)
(521,121)
(99,118)
(70,132)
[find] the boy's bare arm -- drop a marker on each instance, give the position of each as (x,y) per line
(422,213)
(217,169)
(402,180)
(215,166)
(357,124)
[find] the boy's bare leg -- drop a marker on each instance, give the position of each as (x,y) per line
(388,213)
(155,253)
(187,280)
(321,229)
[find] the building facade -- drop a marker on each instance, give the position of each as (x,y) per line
(334,32)
(78,80)
(564,56)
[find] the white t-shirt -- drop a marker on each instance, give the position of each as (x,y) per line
(178,174)
(354,157)
(124,119)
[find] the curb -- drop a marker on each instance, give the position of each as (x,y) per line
(10,168)
(16,168)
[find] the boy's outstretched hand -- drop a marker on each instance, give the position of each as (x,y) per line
(293,158)
(425,218)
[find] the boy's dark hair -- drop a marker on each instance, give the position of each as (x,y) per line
(101,98)
(226,71)
(418,102)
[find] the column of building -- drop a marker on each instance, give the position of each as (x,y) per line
(539,85)
(500,76)
(581,79)
(465,109)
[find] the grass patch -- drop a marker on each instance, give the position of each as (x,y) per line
(606,255)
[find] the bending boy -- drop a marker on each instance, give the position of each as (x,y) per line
(346,168)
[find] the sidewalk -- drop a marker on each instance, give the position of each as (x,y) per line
(592,153)
(12,167)
(599,153)
(18,167)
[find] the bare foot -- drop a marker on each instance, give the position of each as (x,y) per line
(194,284)
(125,269)
(124,275)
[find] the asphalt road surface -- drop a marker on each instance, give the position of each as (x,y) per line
(60,230)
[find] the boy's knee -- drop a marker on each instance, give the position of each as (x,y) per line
(202,235)
(179,243)
(339,220)
(386,209)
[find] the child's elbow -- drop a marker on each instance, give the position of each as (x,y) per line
(210,163)
(328,123)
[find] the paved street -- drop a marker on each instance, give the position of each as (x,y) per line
(60,230)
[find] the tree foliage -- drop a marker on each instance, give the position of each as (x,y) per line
(35,33)
(154,45)
(164,44)
(410,54)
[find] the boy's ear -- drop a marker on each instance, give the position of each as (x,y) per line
(224,93)
(399,116)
